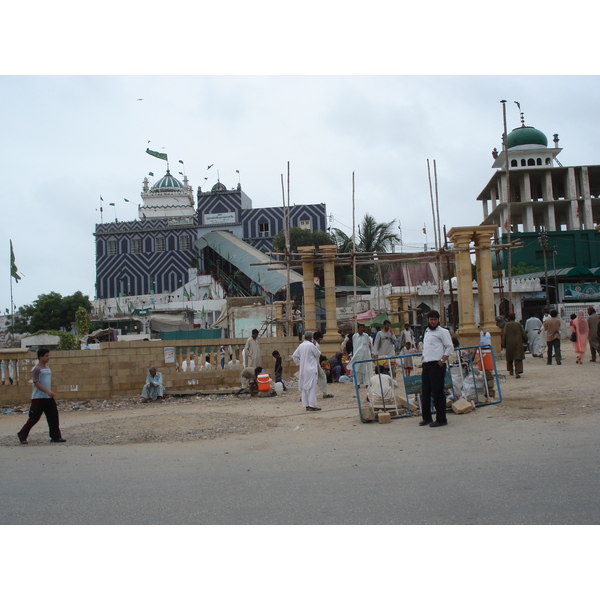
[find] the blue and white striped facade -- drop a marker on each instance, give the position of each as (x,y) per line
(145,256)
(231,210)
(153,255)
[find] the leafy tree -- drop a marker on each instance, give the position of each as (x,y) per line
(82,321)
(301,237)
(523,268)
(50,312)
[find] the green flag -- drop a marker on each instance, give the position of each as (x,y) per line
(111,203)
(181,161)
(13,266)
(151,174)
(160,155)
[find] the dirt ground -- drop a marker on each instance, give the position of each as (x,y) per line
(543,392)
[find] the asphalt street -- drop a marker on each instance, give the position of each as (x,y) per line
(481,469)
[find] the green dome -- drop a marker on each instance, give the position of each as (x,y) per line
(218,187)
(523,136)
(168,182)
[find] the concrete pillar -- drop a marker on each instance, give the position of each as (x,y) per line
(547,192)
(550,217)
(588,217)
(332,335)
(494,193)
(528,224)
(461,237)
(482,237)
(308,272)
(525,187)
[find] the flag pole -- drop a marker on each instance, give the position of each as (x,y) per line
(508,209)
(354,327)
(12,309)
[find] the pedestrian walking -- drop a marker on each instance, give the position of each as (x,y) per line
(43,400)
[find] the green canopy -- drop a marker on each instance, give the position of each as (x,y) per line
(378,321)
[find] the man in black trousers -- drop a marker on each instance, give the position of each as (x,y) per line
(437,347)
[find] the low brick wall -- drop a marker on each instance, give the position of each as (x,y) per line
(120,368)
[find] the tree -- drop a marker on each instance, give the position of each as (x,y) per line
(301,237)
(82,321)
(50,312)
(372,237)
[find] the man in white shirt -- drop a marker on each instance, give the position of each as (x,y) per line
(437,347)
(385,346)
(252,351)
(306,357)
(406,335)
(361,350)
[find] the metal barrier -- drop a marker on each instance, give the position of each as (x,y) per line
(473,363)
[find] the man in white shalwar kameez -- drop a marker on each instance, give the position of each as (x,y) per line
(542,333)
(154,388)
(361,350)
(306,357)
(252,351)
(532,328)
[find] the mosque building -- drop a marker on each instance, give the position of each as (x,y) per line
(166,246)
(553,218)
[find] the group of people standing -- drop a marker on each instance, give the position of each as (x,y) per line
(544,336)
(583,332)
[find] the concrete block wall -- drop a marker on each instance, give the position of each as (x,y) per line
(120,368)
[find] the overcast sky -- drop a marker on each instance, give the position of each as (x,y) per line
(68,139)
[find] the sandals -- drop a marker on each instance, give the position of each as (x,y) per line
(59,440)
(22,439)
(327,395)
(312,408)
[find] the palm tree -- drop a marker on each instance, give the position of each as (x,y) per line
(372,237)
(377,237)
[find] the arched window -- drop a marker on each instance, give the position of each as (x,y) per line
(548,161)
(514,163)
(530,162)
(523,163)
(539,162)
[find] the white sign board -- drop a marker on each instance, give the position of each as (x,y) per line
(219,218)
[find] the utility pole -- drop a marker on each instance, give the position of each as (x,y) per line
(508,209)
(544,244)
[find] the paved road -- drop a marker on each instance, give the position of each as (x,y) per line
(479,470)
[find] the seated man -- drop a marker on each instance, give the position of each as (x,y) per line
(248,380)
(154,389)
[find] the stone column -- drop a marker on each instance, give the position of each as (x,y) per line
(399,307)
(332,334)
(461,237)
(483,256)
(308,272)
(279,318)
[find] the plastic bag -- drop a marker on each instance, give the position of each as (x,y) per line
(474,385)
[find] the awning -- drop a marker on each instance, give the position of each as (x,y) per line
(377,320)
(568,272)
(172,322)
(244,257)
